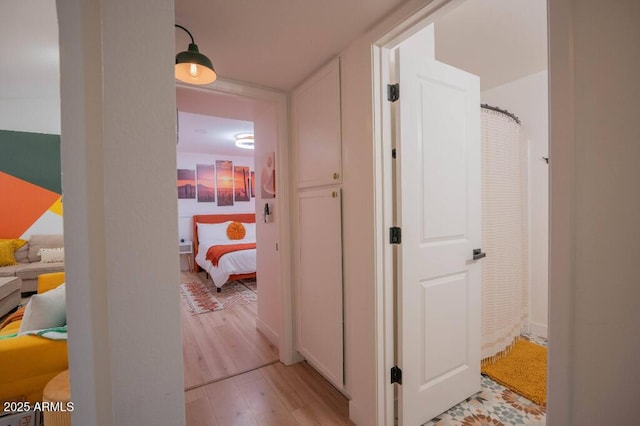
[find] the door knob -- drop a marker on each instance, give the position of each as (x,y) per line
(478,254)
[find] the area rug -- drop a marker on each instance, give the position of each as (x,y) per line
(523,370)
(202,297)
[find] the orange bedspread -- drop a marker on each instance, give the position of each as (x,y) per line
(216,252)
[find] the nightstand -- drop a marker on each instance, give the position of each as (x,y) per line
(186,248)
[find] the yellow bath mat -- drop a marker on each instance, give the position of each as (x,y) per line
(523,370)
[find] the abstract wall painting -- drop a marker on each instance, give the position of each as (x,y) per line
(186,184)
(224,180)
(242,181)
(268,176)
(206,183)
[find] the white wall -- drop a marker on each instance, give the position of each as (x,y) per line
(119,178)
(358,215)
(269,320)
(30,87)
(527,98)
(40,115)
(595,207)
(188,207)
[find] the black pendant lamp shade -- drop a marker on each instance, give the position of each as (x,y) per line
(192,66)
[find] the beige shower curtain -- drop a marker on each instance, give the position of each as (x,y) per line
(505,271)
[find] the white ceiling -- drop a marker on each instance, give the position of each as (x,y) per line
(274,43)
(498,40)
(278,43)
(204,133)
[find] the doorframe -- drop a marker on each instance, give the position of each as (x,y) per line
(286,349)
(561,145)
(383,142)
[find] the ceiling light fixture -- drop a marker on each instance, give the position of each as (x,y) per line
(192,66)
(245,141)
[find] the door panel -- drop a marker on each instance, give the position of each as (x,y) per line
(438,206)
(319,291)
(317,131)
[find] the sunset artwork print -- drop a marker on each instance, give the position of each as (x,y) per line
(186,184)
(224,179)
(253,184)
(242,183)
(206,183)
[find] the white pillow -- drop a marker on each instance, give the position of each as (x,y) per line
(213,231)
(250,234)
(45,310)
(51,255)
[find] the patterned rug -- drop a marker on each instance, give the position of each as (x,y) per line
(203,297)
(494,405)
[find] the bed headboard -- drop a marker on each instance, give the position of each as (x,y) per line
(217,218)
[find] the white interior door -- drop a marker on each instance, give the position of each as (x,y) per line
(438,202)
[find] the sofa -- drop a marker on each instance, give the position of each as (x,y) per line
(29,362)
(30,263)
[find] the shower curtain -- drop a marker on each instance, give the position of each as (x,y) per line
(505,272)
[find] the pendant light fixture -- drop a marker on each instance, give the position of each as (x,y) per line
(192,66)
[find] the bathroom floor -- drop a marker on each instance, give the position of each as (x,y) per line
(494,405)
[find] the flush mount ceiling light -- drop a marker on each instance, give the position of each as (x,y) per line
(192,66)
(245,141)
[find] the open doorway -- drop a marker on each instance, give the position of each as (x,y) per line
(219,295)
(491,40)
(230,303)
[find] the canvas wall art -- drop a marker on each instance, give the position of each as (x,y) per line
(242,183)
(268,176)
(224,180)
(206,183)
(186,184)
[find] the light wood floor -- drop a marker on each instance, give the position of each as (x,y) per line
(223,343)
(273,395)
(219,350)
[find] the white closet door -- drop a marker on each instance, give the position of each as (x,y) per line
(319,290)
(317,136)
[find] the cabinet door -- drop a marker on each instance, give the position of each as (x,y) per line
(319,287)
(317,133)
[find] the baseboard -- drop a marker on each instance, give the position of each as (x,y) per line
(268,332)
(538,329)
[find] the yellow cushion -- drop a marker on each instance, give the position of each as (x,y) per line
(236,231)
(17,242)
(49,281)
(6,253)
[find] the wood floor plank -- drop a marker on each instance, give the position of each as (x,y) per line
(222,343)
(285,391)
(198,409)
(268,396)
(219,346)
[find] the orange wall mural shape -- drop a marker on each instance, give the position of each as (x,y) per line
(22,204)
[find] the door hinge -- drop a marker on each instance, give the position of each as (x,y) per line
(395,235)
(393,153)
(396,375)
(393,92)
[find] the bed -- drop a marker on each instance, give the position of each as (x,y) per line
(210,237)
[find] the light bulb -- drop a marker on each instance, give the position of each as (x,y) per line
(193,70)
